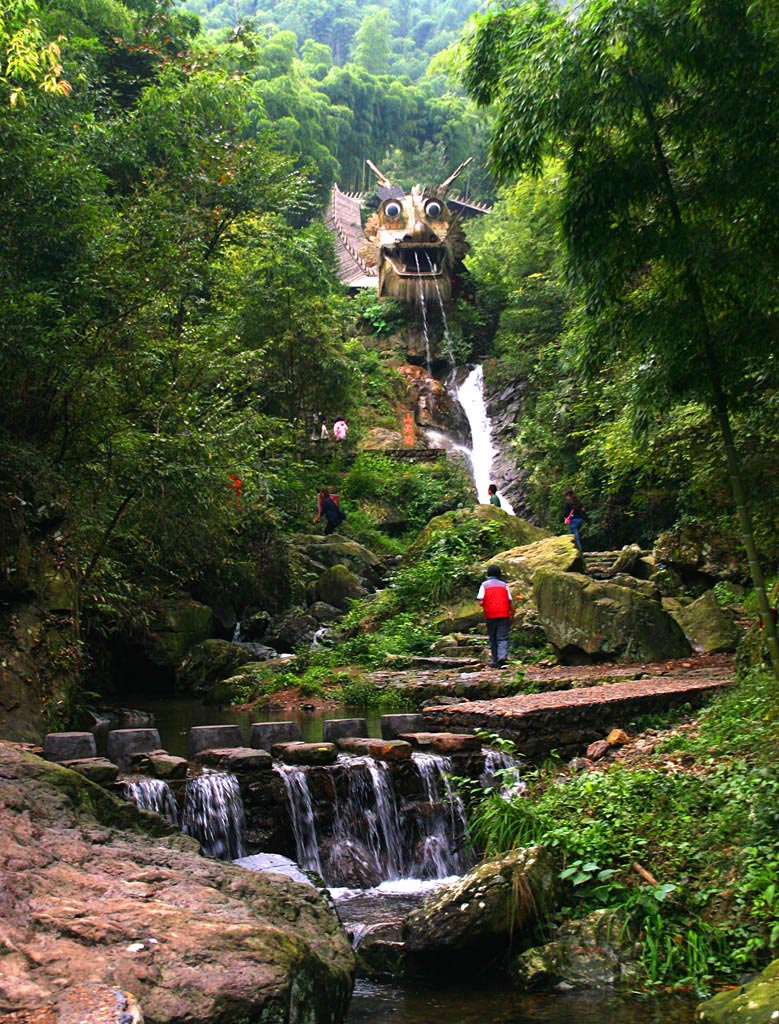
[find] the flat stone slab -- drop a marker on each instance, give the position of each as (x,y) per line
(69,746)
(96,769)
(265,734)
(568,720)
(379,750)
(305,753)
(213,737)
(159,764)
(334,729)
(236,759)
(443,742)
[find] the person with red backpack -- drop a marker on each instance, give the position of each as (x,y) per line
(495,598)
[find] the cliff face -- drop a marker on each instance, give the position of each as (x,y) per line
(504,407)
(98,893)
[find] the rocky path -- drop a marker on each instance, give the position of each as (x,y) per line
(587,703)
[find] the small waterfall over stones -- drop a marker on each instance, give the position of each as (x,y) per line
(439,846)
(153,795)
(301,814)
(213,814)
(370,834)
(502,772)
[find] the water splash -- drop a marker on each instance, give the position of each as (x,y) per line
(301,813)
(213,814)
(153,795)
(423,310)
(369,816)
(502,773)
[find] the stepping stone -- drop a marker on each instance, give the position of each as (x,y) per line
(122,743)
(68,746)
(236,759)
(213,737)
(335,729)
(393,725)
(443,742)
(305,753)
(265,734)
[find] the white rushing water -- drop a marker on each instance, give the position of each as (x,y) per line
(470,395)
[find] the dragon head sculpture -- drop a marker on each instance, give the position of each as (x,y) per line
(414,241)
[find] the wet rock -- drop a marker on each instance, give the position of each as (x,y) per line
(159,765)
(755,1002)
(602,620)
(240,760)
(594,952)
(83,1004)
(305,753)
(99,892)
(97,769)
(334,729)
(324,612)
(380,750)
(291,629)
(498,901)
(442,742)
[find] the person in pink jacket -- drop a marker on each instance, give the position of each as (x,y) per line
(495,598)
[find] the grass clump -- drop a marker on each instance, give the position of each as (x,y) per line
(690,859)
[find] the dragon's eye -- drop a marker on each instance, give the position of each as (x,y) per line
(434,208)
(392,210)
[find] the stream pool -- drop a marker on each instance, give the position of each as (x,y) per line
(492,1002)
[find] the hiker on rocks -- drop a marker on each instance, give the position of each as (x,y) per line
(340,428)
(495,598)
(323,431)
(492,490)
(330,509)
(573,516)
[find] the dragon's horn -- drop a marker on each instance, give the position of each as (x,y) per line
(382,179)
(441,190)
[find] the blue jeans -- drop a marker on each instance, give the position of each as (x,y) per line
(574,526)
(498,632)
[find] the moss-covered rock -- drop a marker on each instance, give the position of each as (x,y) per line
(757,1002)
(208,663)
(698,553)
(709,627)
(520,564)
(338,586)
(581,616)
(494,529)
(460,617)
(177,626)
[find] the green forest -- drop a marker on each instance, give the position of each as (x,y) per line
(172,323)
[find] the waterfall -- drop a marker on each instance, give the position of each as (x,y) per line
(438,850)
(301,813)
(372,839)
(501,772)
(213,814)
(153,795)
(470,395)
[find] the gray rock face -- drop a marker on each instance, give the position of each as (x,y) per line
(584,617)
(500,899)
(99,892)
(708,627)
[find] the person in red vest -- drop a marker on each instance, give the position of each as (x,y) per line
(495,598)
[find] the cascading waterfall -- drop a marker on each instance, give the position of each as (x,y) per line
(439,849)
(153,795)
(470,395)
(370,837)
(301,814)
(442,308)
(423,311)
(213,814)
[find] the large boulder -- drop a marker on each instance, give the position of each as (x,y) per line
(98,892)
(498,901)
(324,552)
(520,564)
(592,952)
(755,1002)
(290,629)
(338,586)
(710,628)
(701,555)
(585,618)
(176,627)
(208,663)
(494,528)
